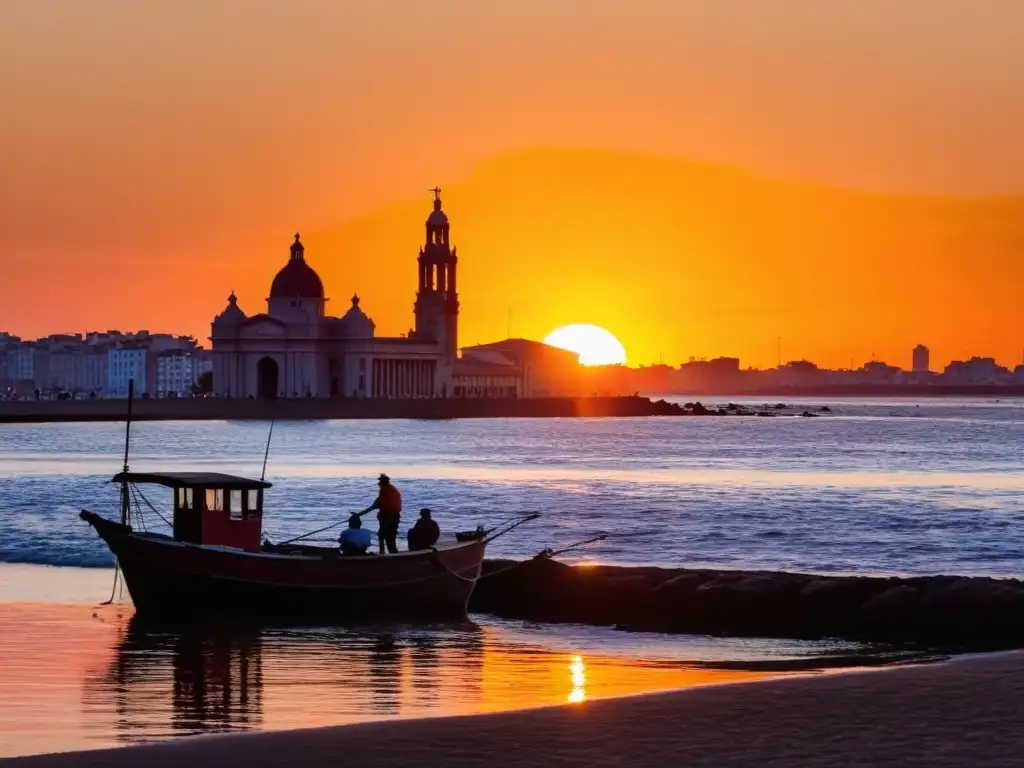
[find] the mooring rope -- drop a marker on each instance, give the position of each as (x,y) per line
(113,588)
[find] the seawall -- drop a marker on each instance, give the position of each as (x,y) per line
(187,409)
(773,393)
(938,612)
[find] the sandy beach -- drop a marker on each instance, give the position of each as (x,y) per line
(964,712)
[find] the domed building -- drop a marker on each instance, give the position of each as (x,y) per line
(295,349)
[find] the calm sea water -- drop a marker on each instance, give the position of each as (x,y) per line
(902,486)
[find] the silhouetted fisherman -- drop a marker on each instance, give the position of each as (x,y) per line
(389,512)
(425,533)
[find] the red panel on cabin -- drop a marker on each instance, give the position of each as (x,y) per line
(220,530)
(226,524)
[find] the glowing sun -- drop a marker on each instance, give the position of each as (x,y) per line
(593,344)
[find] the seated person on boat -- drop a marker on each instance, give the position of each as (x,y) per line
(355,539)
(425,533)
(389,512)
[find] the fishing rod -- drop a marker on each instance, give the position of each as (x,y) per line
(266,453)
(549,553)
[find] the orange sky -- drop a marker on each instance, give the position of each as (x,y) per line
(155,155)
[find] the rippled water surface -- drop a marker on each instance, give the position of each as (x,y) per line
(911,486)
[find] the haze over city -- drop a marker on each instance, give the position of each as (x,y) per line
(698,179)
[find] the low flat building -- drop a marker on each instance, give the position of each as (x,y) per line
(544,370)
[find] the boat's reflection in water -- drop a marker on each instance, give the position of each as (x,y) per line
(167,682)
(176,681)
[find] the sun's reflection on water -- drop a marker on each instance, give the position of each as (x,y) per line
(578,672)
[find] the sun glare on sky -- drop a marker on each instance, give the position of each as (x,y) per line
(594,344)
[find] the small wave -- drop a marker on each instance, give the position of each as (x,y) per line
(32,556)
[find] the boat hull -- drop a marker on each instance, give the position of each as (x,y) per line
(171,580)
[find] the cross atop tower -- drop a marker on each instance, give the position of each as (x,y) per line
(437,193)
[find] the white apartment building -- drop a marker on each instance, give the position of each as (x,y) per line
(123,365)
(21,363)
(178,372)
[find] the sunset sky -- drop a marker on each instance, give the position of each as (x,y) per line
(753,168)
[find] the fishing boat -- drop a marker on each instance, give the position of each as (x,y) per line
(215,561)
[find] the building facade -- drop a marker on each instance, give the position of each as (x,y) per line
(177,372)
(125,364)
(543,370)
(921,359)
(295,349)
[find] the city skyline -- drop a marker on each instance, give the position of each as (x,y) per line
(919,359)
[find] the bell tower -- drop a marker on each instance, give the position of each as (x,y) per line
(437,298)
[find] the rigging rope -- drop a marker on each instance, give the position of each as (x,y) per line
(138,508)
(150,505)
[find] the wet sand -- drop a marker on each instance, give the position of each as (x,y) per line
(965,712)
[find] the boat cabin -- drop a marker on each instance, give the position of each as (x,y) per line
(211,508)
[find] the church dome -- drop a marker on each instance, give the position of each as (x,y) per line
(437,217)
(297,279)
(232,314)
(354,324)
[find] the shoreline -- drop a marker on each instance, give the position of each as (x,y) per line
(320,409)
(311,409)
(963,711)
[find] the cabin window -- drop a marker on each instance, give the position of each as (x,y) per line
(215,500)
(235,511)
(253,501)
(181,498)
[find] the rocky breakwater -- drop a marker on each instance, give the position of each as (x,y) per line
(947,612)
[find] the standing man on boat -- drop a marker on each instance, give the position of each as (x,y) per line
(389,513)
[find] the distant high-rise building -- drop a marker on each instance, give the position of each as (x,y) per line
(921,359)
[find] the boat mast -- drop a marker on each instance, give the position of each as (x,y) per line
(125,501)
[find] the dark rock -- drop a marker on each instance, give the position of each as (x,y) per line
(951,612)
(890,611)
